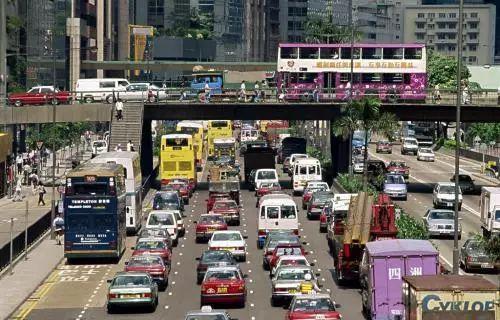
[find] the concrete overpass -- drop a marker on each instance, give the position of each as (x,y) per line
(242,111)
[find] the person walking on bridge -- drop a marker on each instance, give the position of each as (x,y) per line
(41,193)
(119,109)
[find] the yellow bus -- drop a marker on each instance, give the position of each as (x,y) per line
(177,158)
(217,129)
(196,130)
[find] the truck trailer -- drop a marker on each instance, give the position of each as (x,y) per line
(489,208)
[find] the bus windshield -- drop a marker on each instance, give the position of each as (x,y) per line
(176,142)
(219,124)
(90,189)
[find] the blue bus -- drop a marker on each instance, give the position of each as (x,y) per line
(94,211)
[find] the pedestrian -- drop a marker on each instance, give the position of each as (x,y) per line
(243,92)
(26,172)
(34,181)
(130,146)
(207,92)
(119,109)
(316,91)
(19,162)
(58,225)
(465,93)
(18,196)
(41,193)
(282,92)
(256,92)
(118,147)
(348,90)
(437,94)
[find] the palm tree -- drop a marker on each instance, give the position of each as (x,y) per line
(322,30)
(365,115)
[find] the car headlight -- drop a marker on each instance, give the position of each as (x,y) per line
(432,227)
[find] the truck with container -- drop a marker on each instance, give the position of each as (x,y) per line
(291,145)
(273,130)
(489,207)
(366,221)
(383,266)
(450,297)
(258,158)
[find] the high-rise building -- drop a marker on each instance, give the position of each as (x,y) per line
(261,29)
(437,27)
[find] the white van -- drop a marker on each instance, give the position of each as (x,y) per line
(131,163)
(305,170)
(90,90)
(248,134)
(278,212)
(294,157)
(265,175)
(164,219)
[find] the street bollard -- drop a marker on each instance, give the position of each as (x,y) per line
(11,270)
(26,232)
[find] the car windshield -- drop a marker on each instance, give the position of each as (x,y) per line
(164,200)
(144,261)
(447,189)
(269,185)
(274,242)
(227,237)
(321,197)
(497,215)
(98,144)
(267,175)
(153,233)
(150,245)
(293,274)
(397,164)
(295,262)
(323,304)
(129,281)
(215,256)
(225,205)
(161,219)
(476,248)
(207,317)
(288,251)
(288,212)
(177,186)
(212,220)
(464,178)
(442,215)
(222,275)
(394,180)
(426,150)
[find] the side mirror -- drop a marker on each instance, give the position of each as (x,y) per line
(306,253)
(304,243)
(312,264)
(126,262)
(197,258)
(320,285)
(245,237)
(245,276)
(109,280)
(206,200)
(133,248)
(195,222)
(317,274)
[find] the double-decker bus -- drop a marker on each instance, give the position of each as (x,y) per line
(177,158)
(217,129)
(196,130)
(131,163)
(391,72)
(94,208)
(225,147)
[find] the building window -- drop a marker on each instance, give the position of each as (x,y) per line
(473,25)
(441,25)
(420,25)
(472,47)
(452,36)
(442,15)
(420,36)
(421,15)
(452,15)
(431,15)
(473,15)
(472,59)
(441,36)
(452,48)
(472,36)
(452,25)
(430,26)
(440,47)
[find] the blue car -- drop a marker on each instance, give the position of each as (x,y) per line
(395,186)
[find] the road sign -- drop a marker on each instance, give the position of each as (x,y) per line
(39,144)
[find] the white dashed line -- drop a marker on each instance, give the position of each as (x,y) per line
(166,307)
(170,293)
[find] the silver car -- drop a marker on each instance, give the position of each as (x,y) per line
(287,280)
(132,289)
(440,222)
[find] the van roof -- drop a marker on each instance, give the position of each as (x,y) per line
(189,124)
(394,247)
(278,201)
(103,79)
(450,282)
(307,161)
(275,196)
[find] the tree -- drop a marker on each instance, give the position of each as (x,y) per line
(487,132)
(410,228)
(322,30)
(442,70)
(491,245)
(365,115)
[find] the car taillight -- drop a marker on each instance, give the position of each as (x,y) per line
(202,267)
(322,218)
(146,295)
(112,296)
(280,289)
(240,248)
(68,245)
(262,232)
(164,181)
(203,288)
(191,181)
(296,232)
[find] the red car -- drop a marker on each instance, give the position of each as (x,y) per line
(207,224)
(40,95)
(383,146)
(285,249)
(153,265)
(399,167)
(313,306)
(186,181)
(153,247)
(229,209)
(182,188)
(224,285)
(215,197)
(267,188)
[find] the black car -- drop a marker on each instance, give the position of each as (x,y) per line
(473,256)
(213,258)
(316,204)
(465,182)
(164,200)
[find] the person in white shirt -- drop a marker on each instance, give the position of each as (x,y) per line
(243,91)
(19,163)
(119,109)
(256,92)
(58,228)
(207,92)
(130,146)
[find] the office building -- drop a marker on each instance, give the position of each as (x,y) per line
(261,30)
(437,27)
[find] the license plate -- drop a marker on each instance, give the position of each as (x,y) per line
(292,291)
(487,265)
(211,229)
(130,296)
(221,290)
(230,249)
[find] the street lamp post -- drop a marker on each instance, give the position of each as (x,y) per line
(457,135)
(53,200)
(351,77)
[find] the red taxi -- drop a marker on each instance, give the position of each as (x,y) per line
(224,285)
(399,167)
(190,186)
(182,188)
(313,306)
(285,249)
(267,188)
(153,265)
(229,209)
(153,247)
(215,197)
(40,95)
(383,146)
(207,224)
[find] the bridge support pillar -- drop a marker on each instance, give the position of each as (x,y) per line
(146,149)
(340,155)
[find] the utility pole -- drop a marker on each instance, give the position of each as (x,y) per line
(351,78)
(457,133)
(54,151)
(3,53)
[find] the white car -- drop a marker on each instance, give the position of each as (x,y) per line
(99,146)
(291,260)
(358,167)
(164,219)
(443,196)
(425,154)
(230,240)
(265,175)
(180,223)
(318,185)
(410,145)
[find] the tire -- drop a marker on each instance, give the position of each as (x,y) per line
(274,302)
(244,259)
(152,308)
(304,207)
(175,243)
(259,246)
(18,103)
(110,309)
(405,198)
(308,216)
(460,208)
(88,99)
(322,230)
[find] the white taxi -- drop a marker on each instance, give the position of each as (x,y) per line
(230,240)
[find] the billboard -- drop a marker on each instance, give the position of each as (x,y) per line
(141,39)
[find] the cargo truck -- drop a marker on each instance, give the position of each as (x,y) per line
(291,145)
(382,269)
(258,158)
(489,208)
(450,297)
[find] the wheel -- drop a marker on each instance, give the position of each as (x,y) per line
(18,103)
(237,223)
(244,259)
(405,198)
(175,243)
(54,101)
(110,309)
(309,216)
(88,99)
(259,245)
(390,152)
(152,308)
(322,230)
(274,302)
(304,207)
(460,208)
(186,201)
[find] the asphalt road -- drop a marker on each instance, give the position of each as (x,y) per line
(423,176)
(79,292)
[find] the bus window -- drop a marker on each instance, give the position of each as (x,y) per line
(309,53)
(288,212)
(346,77)
(413,53)
(303,170)
(90,189)
(176,142)
(371,77)
(303,77)
(289,53)
(406,78)
(372,53)
(393,53)
(345,53)
(273,212)
(392,78)
(219,124)
(329,53)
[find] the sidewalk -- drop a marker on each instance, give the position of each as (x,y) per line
(28,275)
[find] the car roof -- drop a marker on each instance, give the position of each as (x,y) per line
(227,231)
(163,211)
(131,273)
(449,184)
(277,201)
(292,257)
(288,267)
(441,210)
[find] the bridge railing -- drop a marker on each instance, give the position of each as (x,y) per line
(170,95)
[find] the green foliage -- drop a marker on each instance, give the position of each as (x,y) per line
(354,184)
(317,153)
(198,26)
(410,227)
(160,131)
(13,24)
(450,144)
(491,245)
(487,132)
(442,70)
(319,29)
(58,135)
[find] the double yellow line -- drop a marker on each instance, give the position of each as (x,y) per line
(30,303)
